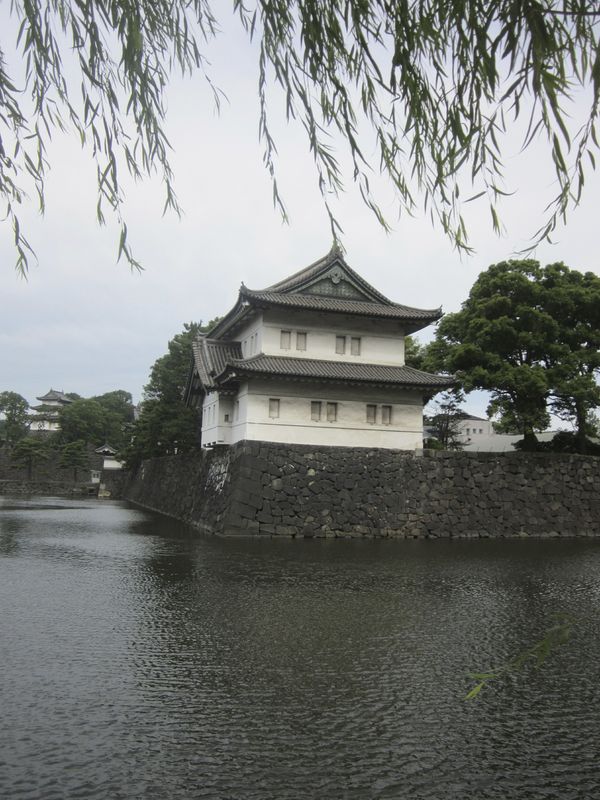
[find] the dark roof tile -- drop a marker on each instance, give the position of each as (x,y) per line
(282,366)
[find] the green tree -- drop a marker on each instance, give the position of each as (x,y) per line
(166,425)
(15,424)
(74,455)
(443,420)
(30,452)
(531,336)
(435,84)
(414,352)
(499,341)
(83,420)
(119,413)
(573,300)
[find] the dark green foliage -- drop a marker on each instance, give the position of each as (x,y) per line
(106,418)
(435,84)
(414,352)
(119,413)
(444,422)
(83,420)
(15,424)
(75,455)
(531,336)
(165,424)
(30,452)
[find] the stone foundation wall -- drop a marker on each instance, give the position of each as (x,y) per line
(262,488)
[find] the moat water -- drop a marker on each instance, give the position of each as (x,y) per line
(141,660)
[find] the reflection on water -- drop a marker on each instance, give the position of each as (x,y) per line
(140,660)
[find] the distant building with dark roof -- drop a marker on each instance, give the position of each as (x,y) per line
(317,358)
(46,418)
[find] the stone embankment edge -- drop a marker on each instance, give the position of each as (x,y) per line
(268,489)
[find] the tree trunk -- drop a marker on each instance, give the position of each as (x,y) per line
(580,436)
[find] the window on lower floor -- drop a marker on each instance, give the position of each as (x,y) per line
(300,340)
(273,408)
(386,415)
(285,340)
(315,410)
(332,411)
(355,345)
(371,414)
(340,345)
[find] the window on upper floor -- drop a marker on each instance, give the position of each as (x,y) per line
(371,414)
(274,408)
(285,340)
(300,340)
(332,412)
(315,410)
(355,345)
(340,345)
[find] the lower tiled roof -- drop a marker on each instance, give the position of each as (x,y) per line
(282,366)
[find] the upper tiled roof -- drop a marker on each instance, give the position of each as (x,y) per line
(342,305)
(308,368)
(327,285)
(55,396)
(303,279)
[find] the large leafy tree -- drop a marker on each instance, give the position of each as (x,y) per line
(15,424)
(83,420)
(531,336)
(119,413)
(30,453)
(75,456)
(433,85)
(573,300)
(166,425)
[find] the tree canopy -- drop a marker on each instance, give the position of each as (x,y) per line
(531,336)
(430,87)
(165,424)
(14,408)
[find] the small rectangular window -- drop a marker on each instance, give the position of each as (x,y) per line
(386,415)
(236,410)
(286,340)
(340,344)
(273,408)
(315,410)
(332,412)
(371,414)
(355,345)
(226,418)
(301,341)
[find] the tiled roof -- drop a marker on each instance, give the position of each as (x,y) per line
(56,396)
(327,285)
(341,305)
(304,277)
(211,356)
(308,368)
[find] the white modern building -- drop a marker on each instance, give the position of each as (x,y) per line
(317,358)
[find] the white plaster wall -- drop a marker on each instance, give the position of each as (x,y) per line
(250,336)
(294,424)
(380,344)
(215,428)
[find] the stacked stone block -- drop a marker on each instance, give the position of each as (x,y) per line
(264,488)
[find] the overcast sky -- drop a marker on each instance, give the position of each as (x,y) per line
(83,323)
